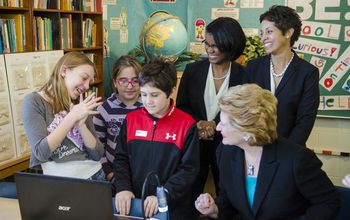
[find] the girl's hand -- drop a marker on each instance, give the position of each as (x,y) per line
(85,108)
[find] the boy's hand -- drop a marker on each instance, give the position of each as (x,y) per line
(151,206)
(110,176)
(123,201)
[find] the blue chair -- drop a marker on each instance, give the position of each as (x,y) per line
(344,211)
(8,190)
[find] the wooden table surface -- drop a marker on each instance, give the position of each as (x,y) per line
(9,209)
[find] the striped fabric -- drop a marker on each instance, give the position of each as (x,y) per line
(108,124)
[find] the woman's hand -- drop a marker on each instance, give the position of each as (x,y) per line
(150,206)
(85,108)
(205,204)
(206,129)
(123,201)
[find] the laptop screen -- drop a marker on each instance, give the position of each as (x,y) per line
(53,198)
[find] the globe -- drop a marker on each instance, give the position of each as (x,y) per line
(163,35)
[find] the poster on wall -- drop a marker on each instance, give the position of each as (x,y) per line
(230,3)
(324,42)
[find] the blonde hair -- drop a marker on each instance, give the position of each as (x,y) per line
(55,89)
(253,110)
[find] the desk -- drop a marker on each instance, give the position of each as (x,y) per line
(9,209)
(9,167)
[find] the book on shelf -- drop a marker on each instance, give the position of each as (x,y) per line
(3,37)
(12,34)
(81,5)
(43,33)
(40,4)
(16,27)
(11,3)
(46,4)
(91,56)
(66,31)
(71,5)
(1,48)
(93,89)
(88,32)
(6,41)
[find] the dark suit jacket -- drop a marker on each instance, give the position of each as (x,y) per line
(297,94)
(290,185)
(190,96)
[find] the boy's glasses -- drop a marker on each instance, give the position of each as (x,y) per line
(125,82)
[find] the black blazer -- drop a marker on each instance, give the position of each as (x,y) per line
(290,185)
(190,96)
(297,94)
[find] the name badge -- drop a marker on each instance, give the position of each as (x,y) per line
(141,133)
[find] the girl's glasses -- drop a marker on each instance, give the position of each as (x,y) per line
(125,82)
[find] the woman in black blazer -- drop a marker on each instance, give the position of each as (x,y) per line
(263,176)
(292,80)
(204,82)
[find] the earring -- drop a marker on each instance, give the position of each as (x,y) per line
(246,137)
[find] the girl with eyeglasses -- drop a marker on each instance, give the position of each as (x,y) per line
(113,111)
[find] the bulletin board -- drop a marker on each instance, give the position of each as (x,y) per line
(128,16)
(122,24)
(324,41)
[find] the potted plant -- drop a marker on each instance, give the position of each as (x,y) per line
(254,48)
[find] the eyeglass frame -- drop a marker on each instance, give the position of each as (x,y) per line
(213,46)
(134,81)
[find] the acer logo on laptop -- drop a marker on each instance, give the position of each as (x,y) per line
(64,208)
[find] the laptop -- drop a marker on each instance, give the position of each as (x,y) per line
(56,198)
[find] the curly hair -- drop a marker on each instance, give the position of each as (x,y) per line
(253,110)
(284,18)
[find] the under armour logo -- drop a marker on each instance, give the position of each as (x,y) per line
(168,136)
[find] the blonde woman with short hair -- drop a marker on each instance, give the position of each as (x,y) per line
(263,176)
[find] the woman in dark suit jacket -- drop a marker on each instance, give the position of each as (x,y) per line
(263,176)
(292,80)
(204,82)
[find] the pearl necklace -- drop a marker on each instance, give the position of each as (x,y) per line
(284,70)
(222,77)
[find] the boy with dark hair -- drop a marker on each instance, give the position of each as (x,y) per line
(158,137)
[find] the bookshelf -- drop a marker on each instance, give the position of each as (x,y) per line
(35,20)
(49,25)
